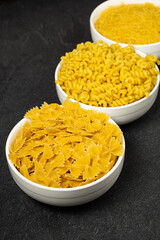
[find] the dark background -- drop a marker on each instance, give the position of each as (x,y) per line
(33,37)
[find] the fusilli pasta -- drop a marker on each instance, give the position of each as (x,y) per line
(106,76)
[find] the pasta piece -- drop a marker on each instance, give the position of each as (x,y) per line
(106,76)
(62,156)
(130,23)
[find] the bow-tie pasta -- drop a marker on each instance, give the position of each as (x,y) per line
(66,146)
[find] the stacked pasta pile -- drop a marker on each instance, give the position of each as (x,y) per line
(130,23)
(66,146)
(106,76)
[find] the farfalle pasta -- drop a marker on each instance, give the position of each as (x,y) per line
(106,76)
(130,23)
(65,146)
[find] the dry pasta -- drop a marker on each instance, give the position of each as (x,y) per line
(130,23)
(65,146)
(106,76)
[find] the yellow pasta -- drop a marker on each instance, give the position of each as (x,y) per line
(107,76)
(130,23)
(65,146)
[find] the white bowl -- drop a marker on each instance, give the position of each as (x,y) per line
(122,114)
(63,196)
(153,48)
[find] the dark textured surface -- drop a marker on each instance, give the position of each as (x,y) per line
(33,37)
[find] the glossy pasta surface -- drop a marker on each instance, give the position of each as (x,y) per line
(106,76)
(130,23)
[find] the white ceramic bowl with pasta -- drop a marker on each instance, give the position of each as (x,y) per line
(63,196)
(122,114)
(153,48)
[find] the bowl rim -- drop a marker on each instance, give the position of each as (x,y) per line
(110,108)
(14,131)
(107,3)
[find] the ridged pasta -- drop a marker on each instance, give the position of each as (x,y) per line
(130,23)
(105,76)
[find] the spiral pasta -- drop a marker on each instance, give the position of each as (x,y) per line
(130,23)
(106,76)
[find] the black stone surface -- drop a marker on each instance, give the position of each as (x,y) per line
(33,37)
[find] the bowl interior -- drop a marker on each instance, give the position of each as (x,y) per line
(152,48)
(12,168)
(63,96)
